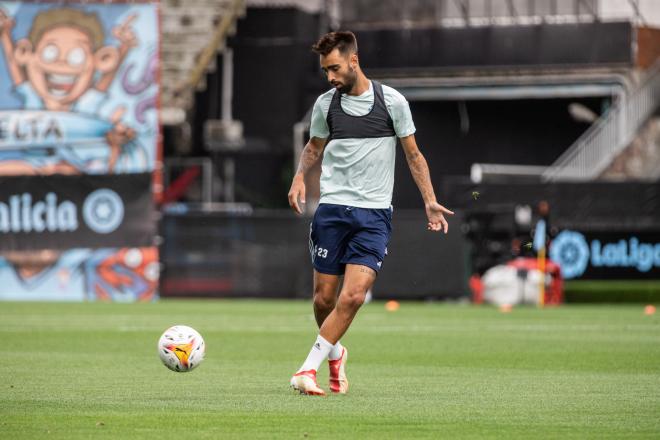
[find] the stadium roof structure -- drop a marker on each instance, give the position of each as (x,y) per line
(310,6)
(511,87)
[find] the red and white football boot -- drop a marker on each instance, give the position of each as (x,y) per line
(305,383)
(338,380)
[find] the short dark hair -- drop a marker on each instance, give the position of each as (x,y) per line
(345,41)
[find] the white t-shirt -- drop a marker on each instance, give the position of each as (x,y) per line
(360,172)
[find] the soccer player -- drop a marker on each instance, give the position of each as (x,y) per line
(354,127)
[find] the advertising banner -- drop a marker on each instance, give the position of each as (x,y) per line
(62,212)
(607,255)
(79,140)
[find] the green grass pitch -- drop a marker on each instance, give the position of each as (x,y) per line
(431,370)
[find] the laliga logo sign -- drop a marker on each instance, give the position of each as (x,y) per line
(103,212)
(572,252)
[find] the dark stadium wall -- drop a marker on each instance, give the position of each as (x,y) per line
(524,132)
(601,230)
(633,205)
(499,47)
(276,79)
(266,254)
(272,70)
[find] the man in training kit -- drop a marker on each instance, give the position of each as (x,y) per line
(356,123)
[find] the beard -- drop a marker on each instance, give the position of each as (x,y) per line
(349,81)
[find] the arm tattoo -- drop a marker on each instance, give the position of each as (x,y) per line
(420,172)
(310,155)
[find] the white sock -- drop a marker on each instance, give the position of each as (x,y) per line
(335,353)
(317,354)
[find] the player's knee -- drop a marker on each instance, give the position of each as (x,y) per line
(323,301)
(354,298)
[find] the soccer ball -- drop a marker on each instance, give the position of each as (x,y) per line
(181,348)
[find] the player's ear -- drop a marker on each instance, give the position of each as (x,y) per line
(354,60)
(106,59)
(23,51)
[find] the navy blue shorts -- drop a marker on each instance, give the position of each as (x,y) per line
(341,235)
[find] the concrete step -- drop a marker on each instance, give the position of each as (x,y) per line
(187,29)
(641,159)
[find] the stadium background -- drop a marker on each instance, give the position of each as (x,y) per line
(157,196)
(516,103)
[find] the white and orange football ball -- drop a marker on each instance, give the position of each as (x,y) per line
(181,348)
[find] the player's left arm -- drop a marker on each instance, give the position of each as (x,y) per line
(435,212)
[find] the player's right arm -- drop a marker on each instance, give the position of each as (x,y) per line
(6,25)
(311,154)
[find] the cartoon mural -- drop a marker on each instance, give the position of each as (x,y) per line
(125,275)
(59,69)
(78,96)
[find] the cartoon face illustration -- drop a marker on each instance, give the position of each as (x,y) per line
(64,50)
(62,64)
(61,54)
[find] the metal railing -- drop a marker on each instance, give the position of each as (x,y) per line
(592,152)
(490,172)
